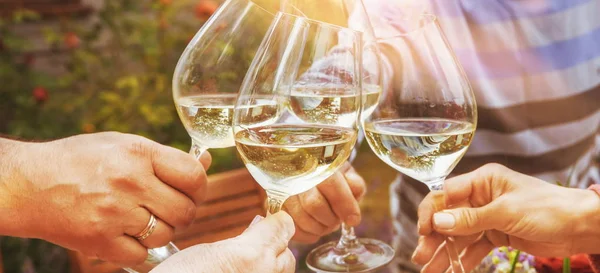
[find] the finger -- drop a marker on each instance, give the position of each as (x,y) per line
(180,171)
(206,160)
(356,182)
(316,205)
(426,248)
(168,204)
(286,263)
(303,219)
(476,184)
(475,253)
(138,220)
(432,203)
(338,194)
(124,251)
(440,260)
(275,231)
(304,237)
(466,221)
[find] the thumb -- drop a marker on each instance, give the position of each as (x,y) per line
(275,232)
(467,221)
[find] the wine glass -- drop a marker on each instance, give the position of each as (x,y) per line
(427,120)
(207,79)
(211,70)
(349,253)
(313,113)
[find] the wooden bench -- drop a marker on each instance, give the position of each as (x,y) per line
(233,199)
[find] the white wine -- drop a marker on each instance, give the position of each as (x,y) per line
(291,159)
(207,118)
(371,94)
(424,149)
(331,105)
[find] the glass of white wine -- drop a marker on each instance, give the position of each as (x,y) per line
(428,117)
(211,70)
(207,80)
(350,253)
(315,119)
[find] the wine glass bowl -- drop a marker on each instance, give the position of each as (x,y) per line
(427,120)
(316,98)
(210,72)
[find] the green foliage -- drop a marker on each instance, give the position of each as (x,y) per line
(111,72)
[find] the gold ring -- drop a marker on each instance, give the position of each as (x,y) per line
(148,229)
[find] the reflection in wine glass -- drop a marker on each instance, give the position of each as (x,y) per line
(425,124)
(315,118)
(211,70)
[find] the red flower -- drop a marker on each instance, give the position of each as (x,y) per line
(206,8)
(88,128)
(163,24)
(40,94)
(579,264)
(71,40)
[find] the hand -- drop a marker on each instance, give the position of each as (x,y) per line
(261,248)
(494,206)
(92,193)
(320,210)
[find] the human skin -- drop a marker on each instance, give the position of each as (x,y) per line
(263,247)
(92,193)
(320,210)
(495,206)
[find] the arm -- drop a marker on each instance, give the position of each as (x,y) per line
(494,206)
(94,193)
(14,222)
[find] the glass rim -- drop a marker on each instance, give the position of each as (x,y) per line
(317,22)
(429,19)
(260,7)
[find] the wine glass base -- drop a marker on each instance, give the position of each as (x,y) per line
(372,255)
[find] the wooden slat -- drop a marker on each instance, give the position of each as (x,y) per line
(216,224)
(229,183)
(248,200)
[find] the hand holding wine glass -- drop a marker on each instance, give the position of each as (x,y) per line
(207,79)
(425,124)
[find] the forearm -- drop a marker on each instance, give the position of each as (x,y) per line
(586,223)
(13,217)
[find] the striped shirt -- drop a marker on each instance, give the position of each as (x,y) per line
(534,66)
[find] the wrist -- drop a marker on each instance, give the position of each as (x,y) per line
(586,224)
(15,176)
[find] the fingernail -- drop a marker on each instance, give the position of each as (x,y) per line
(353,220)
(256,219)
(444,220)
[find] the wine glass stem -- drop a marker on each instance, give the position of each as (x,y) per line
(197,150)
(347,246)
(275,202)
(348,239)
(451,249)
